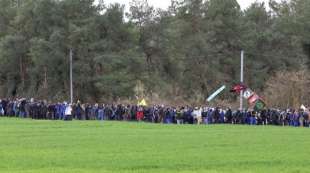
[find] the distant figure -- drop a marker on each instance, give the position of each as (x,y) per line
(197,114)
(301,118)
(140,114)
(68,112)
(101,112)
(78,111)
(179,116)
(1,109)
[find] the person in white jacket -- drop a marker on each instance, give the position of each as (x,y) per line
(68,112)
(197,114)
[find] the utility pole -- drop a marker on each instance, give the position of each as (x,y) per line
(71,78)
(241,79)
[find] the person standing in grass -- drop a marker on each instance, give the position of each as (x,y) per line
(79,110)
(228,116)
(296,119)
(101,112)
(3,103)
(222,116)
(126,116)
(179,115)
(63,110)
(58,110)
(1,108)
(140,114)
(68,112)
(171,117)
(197,114)
(14,108)
(209,116)
(51,111)
(291,117)
(301,118)
(306,118)
(161,113)
(94,112)
(87,111)
(253,118)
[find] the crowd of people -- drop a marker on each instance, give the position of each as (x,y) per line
(43,110)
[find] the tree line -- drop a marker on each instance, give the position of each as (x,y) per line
(182,53)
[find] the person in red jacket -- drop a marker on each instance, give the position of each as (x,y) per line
(140,114)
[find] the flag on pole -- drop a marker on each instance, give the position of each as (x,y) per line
(238,88)
(259,105)
(247,93)
(142,103)
(252,98)
(216,93)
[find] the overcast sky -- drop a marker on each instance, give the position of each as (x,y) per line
(165,3)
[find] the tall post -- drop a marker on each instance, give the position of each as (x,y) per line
(71,78)
(241,79)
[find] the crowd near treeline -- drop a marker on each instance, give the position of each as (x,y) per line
(41,110)
(181,53)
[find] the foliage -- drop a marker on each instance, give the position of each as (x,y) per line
(184,52)
(287,89)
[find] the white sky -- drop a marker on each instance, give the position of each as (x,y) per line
(165,3)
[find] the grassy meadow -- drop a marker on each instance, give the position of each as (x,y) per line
(29,146)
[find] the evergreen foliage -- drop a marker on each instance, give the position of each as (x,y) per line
(183,52)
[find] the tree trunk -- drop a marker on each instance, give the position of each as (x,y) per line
(45,85)
(22,73)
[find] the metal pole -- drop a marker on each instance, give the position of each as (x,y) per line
(71,78)
(241,79)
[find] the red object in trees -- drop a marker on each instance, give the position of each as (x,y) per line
(238,88)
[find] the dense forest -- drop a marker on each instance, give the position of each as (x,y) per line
(180,54)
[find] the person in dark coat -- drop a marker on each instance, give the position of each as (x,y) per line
(108,112)
(87,111)
(31,106)
(51,111)
(4,104)
(228,116)
(43,110)
(216,116)
(133,112)
(179,115)
(155,115)
(306,119)
(127,113)
(78,110)
(119,111)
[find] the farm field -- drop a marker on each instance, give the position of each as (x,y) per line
(29,146)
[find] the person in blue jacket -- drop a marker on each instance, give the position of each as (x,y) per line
(101,112)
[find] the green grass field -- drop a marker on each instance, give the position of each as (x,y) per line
(28,146)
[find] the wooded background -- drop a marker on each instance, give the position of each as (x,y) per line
(181,54)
